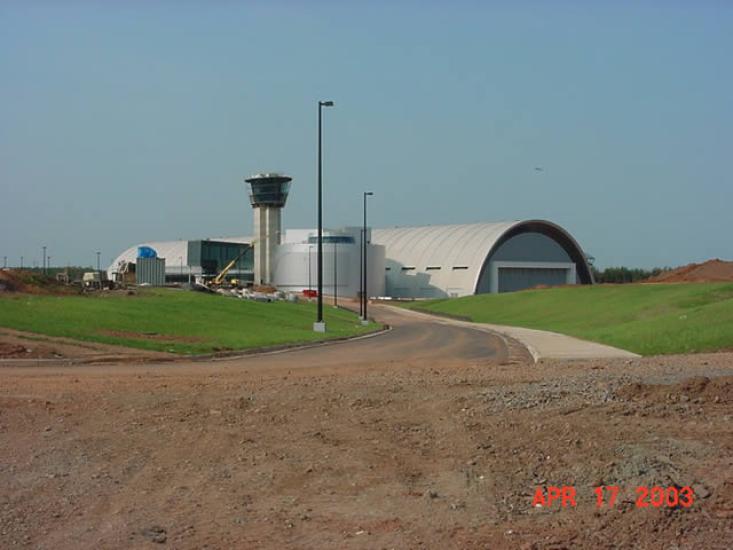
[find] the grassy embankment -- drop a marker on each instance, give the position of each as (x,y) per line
(174,321)
(648,319)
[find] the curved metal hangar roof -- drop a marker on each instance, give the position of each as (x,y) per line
(457,260)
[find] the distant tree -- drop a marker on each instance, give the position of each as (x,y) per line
(623,274)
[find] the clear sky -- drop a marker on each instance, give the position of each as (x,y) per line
(129,121)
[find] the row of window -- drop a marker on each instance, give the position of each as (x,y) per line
(429,268)
(332,239)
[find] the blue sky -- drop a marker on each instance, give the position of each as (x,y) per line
(129,121)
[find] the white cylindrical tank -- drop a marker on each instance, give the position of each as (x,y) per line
(295,267)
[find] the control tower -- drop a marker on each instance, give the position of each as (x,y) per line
(267,193)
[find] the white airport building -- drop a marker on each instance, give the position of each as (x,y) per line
(403,262)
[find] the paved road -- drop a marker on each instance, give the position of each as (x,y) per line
(412,340)
(542,344)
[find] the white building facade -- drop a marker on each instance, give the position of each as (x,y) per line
(445,261)
(295,267)
(414,262)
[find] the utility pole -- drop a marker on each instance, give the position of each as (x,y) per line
(335,274)
(320,325)
(310,287)
(365,297)
(361,273)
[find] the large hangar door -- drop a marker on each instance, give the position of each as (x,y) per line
(525,261)
(513,276)
(519,278)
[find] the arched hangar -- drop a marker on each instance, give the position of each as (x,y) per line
(459,260)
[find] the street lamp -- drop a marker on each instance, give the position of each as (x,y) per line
(21,262)
(319,325)
(335,273)
(98,262)
(364,292)
(361,273)
(44,260)
(310,263)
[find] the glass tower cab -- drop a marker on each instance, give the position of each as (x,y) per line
(268,189)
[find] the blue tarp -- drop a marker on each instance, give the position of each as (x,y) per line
(146,252)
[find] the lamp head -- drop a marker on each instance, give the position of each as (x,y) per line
(325,103)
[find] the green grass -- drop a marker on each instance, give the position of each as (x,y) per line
(184,322)
(649,319)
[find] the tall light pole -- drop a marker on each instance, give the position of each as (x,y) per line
(319,325)
(21,262)
(365,292)
(310,263)
(98,261)
(44,260)
(5,262)
(335,274)
(361,273)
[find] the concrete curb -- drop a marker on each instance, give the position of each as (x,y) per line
(275,350)
(541,344)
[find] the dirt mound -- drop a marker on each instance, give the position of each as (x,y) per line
(711,271)
(265,289)
(17,280)
(700,389)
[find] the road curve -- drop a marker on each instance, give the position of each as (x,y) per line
(412,341)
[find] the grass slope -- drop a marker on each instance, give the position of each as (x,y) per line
(644,318)
(175,321)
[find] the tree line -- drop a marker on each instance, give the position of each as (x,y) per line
(626,274)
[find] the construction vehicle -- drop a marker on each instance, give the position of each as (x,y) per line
(63,277)
(96,280)
(219,279)
(125,273)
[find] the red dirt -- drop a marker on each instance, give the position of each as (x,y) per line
(424,454)
(698,389)
(12,350)
(707,272)
(26,346)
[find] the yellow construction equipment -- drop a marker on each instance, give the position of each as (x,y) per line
(216,281)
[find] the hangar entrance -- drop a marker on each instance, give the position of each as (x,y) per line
(525,261)
(511,279)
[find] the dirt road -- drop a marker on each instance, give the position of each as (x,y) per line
(420,438)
